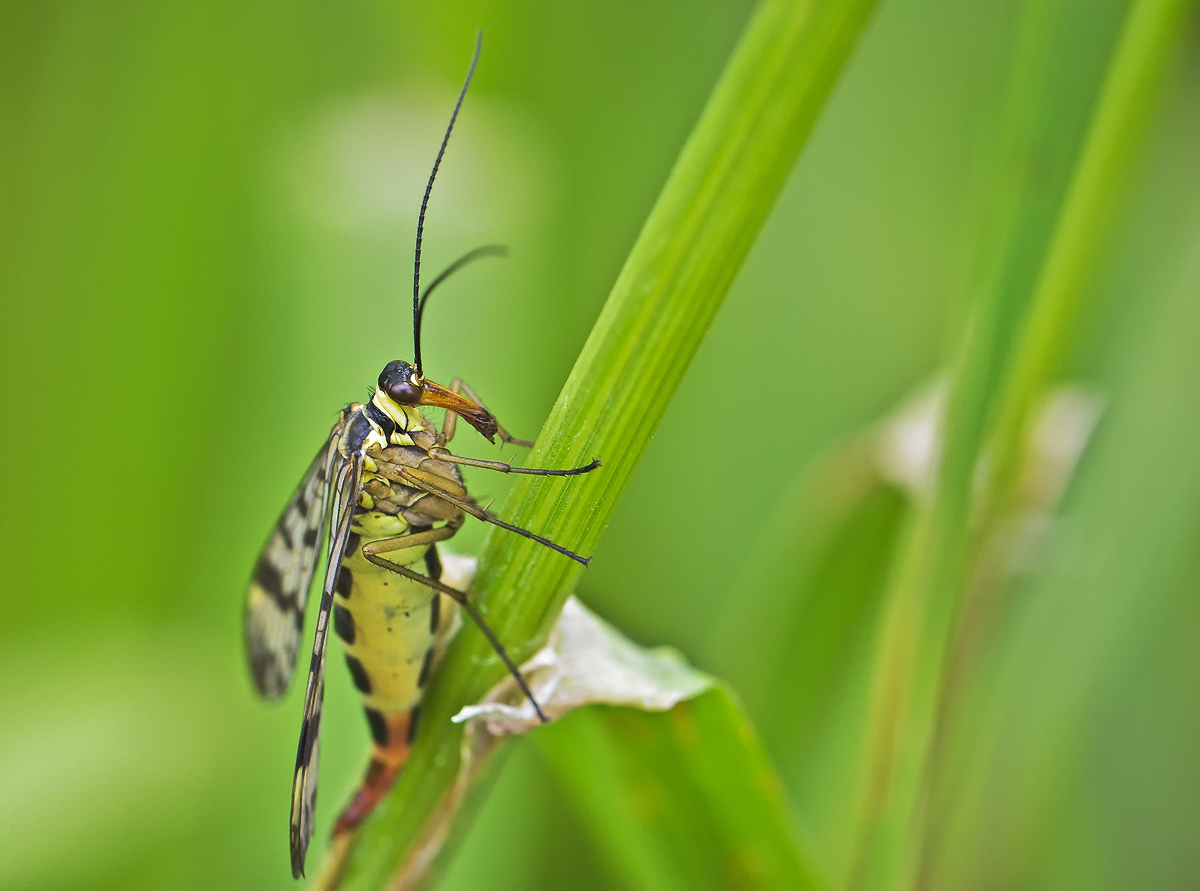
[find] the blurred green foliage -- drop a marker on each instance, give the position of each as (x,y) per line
(206,207)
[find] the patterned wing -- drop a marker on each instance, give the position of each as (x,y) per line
(282,576)
(304,783)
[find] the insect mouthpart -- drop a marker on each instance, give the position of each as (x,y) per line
(469,410)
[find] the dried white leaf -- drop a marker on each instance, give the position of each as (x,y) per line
(587,662)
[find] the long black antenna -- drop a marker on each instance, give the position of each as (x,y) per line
(487,250)
(425,202)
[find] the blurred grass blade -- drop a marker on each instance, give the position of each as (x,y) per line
(1147,45)
(797,636)
(706,219)
(815,722)
(829,525)
(678,800)
(1075,764)
(1042,234)
(1050,695)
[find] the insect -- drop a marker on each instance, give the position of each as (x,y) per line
(390,490)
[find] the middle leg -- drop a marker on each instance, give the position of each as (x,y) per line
(373,551)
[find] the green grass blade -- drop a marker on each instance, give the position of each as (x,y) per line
(691,247)
(684,799)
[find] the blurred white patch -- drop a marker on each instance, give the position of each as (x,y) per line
(1062,428)
(362,164)
(346,185)
(458,570)
(907,450)
(909,444)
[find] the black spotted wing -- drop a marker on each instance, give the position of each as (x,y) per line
(282,576)
(304,783)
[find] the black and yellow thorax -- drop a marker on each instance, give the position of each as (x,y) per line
(392,628)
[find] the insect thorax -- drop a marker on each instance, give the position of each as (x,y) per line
(394,441)
(380,423)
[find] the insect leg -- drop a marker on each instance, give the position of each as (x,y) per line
(413,540)
(372,550)
(442,455)
(479,513)
(458,386)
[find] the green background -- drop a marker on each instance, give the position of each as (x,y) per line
(206,215)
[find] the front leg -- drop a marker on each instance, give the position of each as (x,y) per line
(460,387)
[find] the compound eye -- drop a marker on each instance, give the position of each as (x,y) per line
(405,391)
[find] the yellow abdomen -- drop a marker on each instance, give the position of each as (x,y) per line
(391,627)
